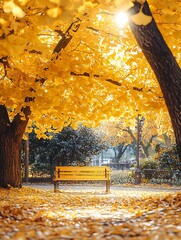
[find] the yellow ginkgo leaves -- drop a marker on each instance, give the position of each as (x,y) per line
(54,12)
(10,6)
(87,213)
(99,71)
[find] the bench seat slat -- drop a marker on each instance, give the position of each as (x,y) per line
(68,177)
(74,173)
(72,168)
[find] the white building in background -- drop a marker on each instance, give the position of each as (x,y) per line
(104,158)
(107,156)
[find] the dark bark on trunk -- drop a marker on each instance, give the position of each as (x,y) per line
(10,161)
(164,65)
(121,149)
(11,134)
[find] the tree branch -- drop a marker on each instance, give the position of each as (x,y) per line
(4,118)
(18,124)
(4,61)
(121,149)
(86,74)
(128,130)
(146,147)
(67,36)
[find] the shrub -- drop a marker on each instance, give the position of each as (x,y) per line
(149,164)
(147,167)
(40,169)
(169,159)
(121,176)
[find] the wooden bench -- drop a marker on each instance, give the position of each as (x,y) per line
(67,173)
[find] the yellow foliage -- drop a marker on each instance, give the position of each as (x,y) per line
(100,73)
(10,6)
(87,212)
(54,12)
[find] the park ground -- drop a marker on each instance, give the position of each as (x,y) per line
(86,212)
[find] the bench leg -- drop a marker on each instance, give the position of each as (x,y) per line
(55,186)
(108,183)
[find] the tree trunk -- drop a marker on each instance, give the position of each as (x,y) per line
(121,150)
(145,151)
(164,65)
(10,162)
(11,134)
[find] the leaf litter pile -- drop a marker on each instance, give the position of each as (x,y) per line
(29,213)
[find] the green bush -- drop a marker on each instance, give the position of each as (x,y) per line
(147,167)
(149,164)
(169,159)
(121,176)
(165,168)
(40,169)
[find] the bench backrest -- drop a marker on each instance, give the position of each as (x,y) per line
(82,173)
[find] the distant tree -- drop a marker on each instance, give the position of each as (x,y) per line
(69,147)
(146,143)
(121,136)
(119,150)
(37,146)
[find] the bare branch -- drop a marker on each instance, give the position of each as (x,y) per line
(67,36)
(18,125)
(86,74)
(128,130)
(114,82)
(4,61)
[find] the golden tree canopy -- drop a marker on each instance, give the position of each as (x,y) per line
(70,61)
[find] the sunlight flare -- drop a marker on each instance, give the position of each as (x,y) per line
(121,19)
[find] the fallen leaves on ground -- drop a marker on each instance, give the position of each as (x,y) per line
(35,214)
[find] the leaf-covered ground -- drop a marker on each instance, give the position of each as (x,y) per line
(29,213)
